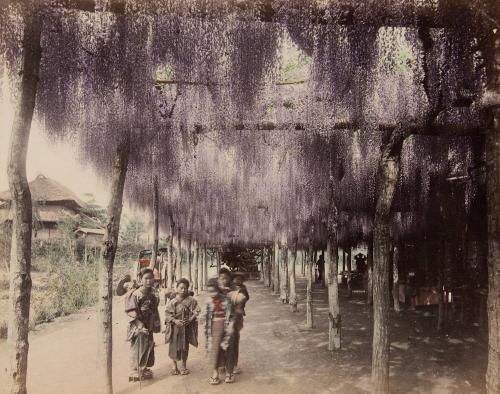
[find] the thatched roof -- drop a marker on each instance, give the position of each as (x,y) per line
(48,191)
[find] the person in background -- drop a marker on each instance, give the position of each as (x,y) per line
(239,297)
(141,306)
(181,314)
(219,329)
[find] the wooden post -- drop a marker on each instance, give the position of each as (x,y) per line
(262,274)
(154,252)
(309,296)
(276,265)
(334,317)
(387,177)
(179,254)
(269,267)
(293,291)
(20,256)
(218,261)
(105,270)
(303,263)
(369,285)
(349,262)
(171,261)
(196,260)
(190,261)
(395,278)
(284,274)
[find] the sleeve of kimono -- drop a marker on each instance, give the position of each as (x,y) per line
(131,305)
(170,311)
(195,309)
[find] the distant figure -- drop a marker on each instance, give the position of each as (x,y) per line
(141,305)
(411,288)
(320,264)
(360,260)
(219,330)
(181,323)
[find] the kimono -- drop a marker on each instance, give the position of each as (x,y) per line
(219,330)
(180,338)
(141,307)
(239,297)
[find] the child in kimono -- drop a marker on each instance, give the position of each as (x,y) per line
(239,297)
(219,332)
(181,326)
(141,306)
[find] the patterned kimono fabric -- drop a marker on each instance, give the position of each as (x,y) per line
(180,338)
(219,332)
(239,298)
(144,308)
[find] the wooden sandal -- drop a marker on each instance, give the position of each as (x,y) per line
(229,378)
(175,371)
(185,372)
(213,381)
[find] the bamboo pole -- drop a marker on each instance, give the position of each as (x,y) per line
(171,261)
(334,317)
(154,253)
(276,265)
(190,261)
(196,260)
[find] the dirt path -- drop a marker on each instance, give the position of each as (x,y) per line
(276,355)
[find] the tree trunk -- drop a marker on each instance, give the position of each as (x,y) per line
(349,257)
(395,279)
(171,261)
(178,257)
(284,274)
(276,265)
(334,318)
(105,271)
(20,254)
(493,197)
(218,262)
(387,177)
(303,264)
(154,254)
(293,291)
(196,260)
(190,262)
(369,259)
(269,267)
(309,298)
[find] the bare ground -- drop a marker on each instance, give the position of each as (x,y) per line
(277,356)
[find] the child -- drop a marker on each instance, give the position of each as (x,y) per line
(141,305)
(182,326)
(219,332)
(239,297)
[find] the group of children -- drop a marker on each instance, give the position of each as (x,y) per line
(223,317)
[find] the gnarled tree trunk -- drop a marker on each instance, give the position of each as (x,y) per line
(388,172)
(20,255)
(105,271)
(493,197)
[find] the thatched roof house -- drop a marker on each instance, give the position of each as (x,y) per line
(53,204)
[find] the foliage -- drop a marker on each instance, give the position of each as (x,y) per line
(132,229)
(93,209)
(240,258)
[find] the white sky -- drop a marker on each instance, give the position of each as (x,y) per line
(56,161)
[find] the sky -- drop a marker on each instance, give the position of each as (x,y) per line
(54,160)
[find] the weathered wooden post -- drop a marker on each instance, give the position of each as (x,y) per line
(369,285)
(154,252)
(179,254)
(196,260)
(190,260)
(276,265)
(171,261)
(349,274)
(309,295)
(395,278)
(293,291)
(284,273)
(20,256)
